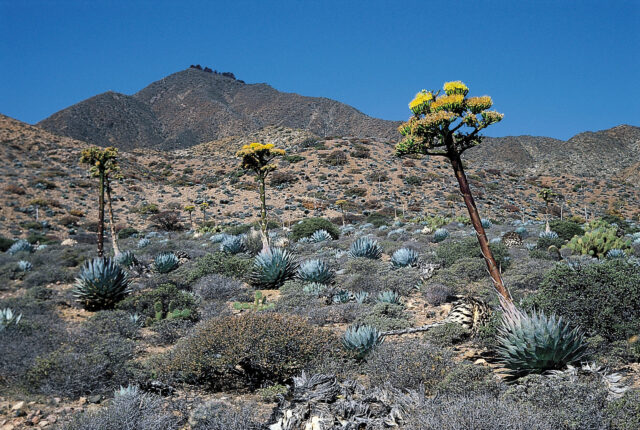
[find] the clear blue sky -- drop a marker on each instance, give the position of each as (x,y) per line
(555,68)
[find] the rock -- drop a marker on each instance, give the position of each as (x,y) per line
(82,400)
(94,399)
(69,242)
(18,406)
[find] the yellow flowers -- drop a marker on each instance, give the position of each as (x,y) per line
(455,87)
(189,208)
(478,104)
(449,102)
(256,147)
(256,156)
(420,101)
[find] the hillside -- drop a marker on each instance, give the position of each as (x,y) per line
(41,170)
(193,106)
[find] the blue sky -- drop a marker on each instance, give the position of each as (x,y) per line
(553,68)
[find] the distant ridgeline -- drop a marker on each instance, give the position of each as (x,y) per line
(215,72)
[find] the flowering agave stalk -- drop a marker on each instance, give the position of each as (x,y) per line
(436,128)
(258,157)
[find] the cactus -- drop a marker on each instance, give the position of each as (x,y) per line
(315,271)
(259,303)
(219,237)
(233,244)
(129,391)
(143,243)
(536,343)
(486,223)
(20,246)
(522,232)
(388,297)
(272,267)
(440,235)
(361,340)
(404,257)
(365,247)
(165,262)
(598,239)
(615,253)
(101,284)
(548,235)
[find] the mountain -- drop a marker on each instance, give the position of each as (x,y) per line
(607,153)
(194,106)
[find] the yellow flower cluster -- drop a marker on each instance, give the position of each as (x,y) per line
(491,117)
(255,147)
(455,87)
(449,102)
(478,104)
(420,99)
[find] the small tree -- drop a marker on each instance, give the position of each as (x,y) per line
(341,204)
(547,195)
(102,162)
(436,129)
(203,208)
(257,157)
(189,209)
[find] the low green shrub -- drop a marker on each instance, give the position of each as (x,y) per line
(450,252)
(602,298)
(233,266)
(308,226)
(248,350)
(566,229)
(163,302)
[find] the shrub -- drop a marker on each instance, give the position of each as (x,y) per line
(536,343)
(315,271)
(165,262)
(218,415)
(448,253)
(94,361)
(336,158)
(624,413)
(101,284)
(404,257)
(248,350)
(385,316)
(221,288)
(365,247)
(163,300)
(467,379)
(5,243)
(408,364)
(378,219)
(135,410)
(602,298)
(127,232)
(272,267)
(220,263)
(361,340)
(566,229)
(168,331)
(308,226)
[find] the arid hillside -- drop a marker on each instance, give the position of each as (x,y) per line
(41,174)
(193,106)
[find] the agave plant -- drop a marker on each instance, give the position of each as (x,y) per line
(101,284)
(165,262)
(341,296)
(136,319)
(361,340)
(548,235)
(440,235)
(388,297)
(218,237)
(404,257)
(486,223)
(143,243)
(522,232)
(536,343)
(315,271)
(320,236)
(365,247)
(20,246)
(615,253)
(314,288)
(24,266)
(272,267)
(8,318)
(233,244)
(126,259)
(361,297)
(128,391)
